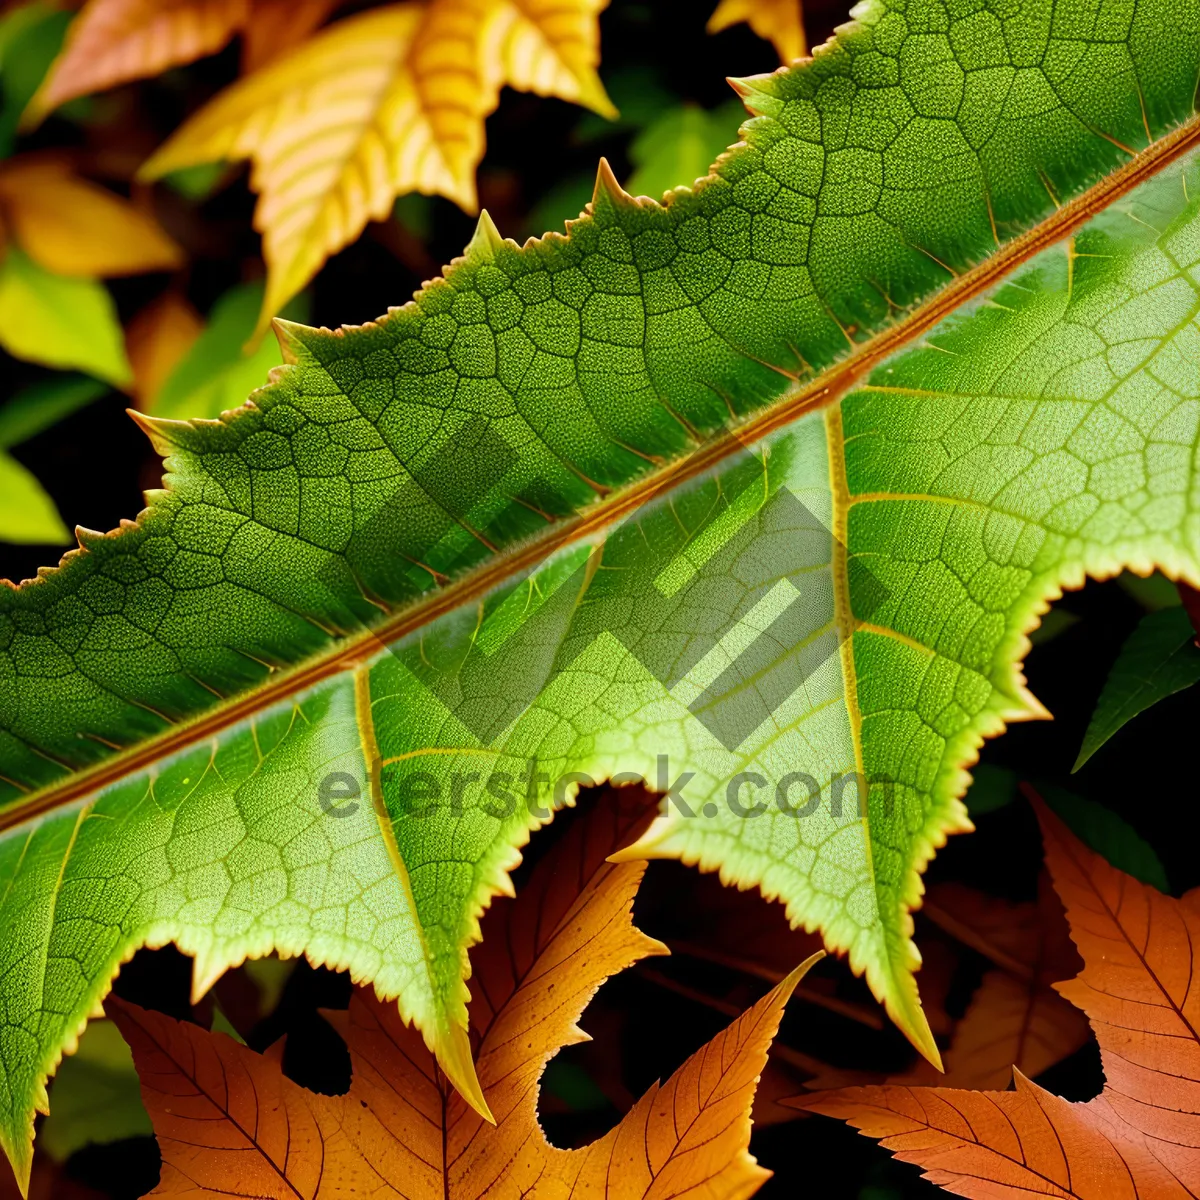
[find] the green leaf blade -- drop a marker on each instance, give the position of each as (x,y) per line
(27,514)
(1159,659)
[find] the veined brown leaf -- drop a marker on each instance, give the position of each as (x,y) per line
(780,22)
(401,1130)
(388,101)
(1139,1139)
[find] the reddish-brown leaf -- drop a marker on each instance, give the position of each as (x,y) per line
(274,26)
(228,1117)
(114,41)
(1141,1137)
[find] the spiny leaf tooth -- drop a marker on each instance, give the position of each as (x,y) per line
(88,538)
(453,1051)
(608,195)
(485,241)
(293,338)
(166,435)
(758,102)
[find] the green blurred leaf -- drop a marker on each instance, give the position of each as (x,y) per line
(216,373)
(222,1024)
(1055,622)
(97,1097)
(270,976)
(1159,659)
(45,403)
(198,182)
(415,212)
(1111,836)
(639,95)
(27,514)
(562,203)
(680,146)
(573,1086)
(991,788)
(30,38)
(1152,592)
(60,322)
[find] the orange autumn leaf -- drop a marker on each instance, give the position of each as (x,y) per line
(780,22)
(1140,1138)
(74,227)
(401,1130)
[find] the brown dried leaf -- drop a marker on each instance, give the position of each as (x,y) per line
(226,1116)
(1141,1137)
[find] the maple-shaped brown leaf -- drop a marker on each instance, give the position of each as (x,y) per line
(227,1118)
(1140,1138)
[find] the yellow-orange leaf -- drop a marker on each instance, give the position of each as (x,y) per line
(548,47)
(114,41)
(156,340)
(401,1130)
(117,41)
(781,22)
(1139,1139)
(73,227)
(381,103)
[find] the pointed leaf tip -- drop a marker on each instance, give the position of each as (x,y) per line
(458,1064)
(291,336)
(608,194)
(485,241)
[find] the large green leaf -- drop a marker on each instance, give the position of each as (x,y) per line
(601,502)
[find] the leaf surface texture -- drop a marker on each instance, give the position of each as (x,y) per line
(506,532)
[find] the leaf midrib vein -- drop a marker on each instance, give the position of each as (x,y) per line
(823,389)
